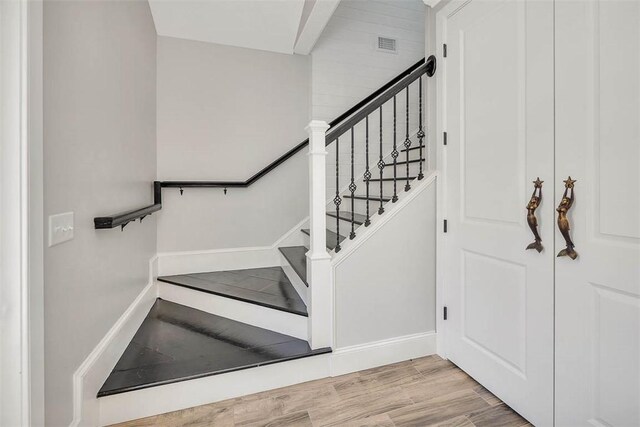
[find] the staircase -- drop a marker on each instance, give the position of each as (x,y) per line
(215,324)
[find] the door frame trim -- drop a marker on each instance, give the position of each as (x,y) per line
(21,218)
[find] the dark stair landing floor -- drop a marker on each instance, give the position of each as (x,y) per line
(269,287)
(178,343)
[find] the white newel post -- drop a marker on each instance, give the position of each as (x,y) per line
(318,259)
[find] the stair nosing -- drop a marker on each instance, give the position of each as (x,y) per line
(336,215)
(375,198)
(341,237)
(404,162)
(399,178)
(233,297)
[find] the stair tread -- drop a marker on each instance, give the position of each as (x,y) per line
(374,198)
(399,178)
(178,343)
(297,258)
(403,162)
(412,148)
(346,216)
(268,287)
(331,238)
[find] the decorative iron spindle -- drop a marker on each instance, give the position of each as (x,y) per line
(420,130)
(367,172)
(380,165)
(394,155)
(407,142)
(352,188)
(337,200)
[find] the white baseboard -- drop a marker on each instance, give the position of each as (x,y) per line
(95,369)
(252,314)
(170,263)
(370,355)
(172,397)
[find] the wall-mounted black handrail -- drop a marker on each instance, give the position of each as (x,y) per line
(350,117)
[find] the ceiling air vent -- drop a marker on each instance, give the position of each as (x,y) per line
(387,44)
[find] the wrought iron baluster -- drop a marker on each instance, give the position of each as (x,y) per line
(420,129)
(380,164)
(352,188)
(394,155)
(367,172)
(407,142)
(337,200)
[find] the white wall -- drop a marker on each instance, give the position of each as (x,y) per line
(224,113)
(100,158)
(386,287)
(346,67)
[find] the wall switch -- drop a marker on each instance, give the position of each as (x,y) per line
(60,228)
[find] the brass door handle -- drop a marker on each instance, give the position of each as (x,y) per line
(536,198)
(563,219)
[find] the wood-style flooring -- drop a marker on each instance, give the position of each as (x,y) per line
(428,391)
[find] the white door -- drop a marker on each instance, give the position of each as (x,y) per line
(598,144)
(497,96)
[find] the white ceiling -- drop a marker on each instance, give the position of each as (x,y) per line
(258,24)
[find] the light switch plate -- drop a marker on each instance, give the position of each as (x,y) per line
(60,228)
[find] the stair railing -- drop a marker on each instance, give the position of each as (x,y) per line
(319,273)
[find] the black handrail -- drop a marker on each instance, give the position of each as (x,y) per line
(350,117)
(124,218)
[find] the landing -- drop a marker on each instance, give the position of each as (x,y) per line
(177,343)
(268,287)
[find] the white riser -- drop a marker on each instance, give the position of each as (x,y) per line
(251,314)
(185,394)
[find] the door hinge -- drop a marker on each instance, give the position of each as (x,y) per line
(444,313)
(444,50)
(445,225)
(444,138)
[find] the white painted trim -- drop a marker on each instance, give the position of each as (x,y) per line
(431,3)
(378,221)
(316,22)
(21,309)
(370,355)
(95,369)
(441,197)
(170,263)
(251,314)
(186,394)
(172,397)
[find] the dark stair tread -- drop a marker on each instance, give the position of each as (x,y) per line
(374,198)
(400,178)
(404,162)
(297,257)
(268,287)
(417,147)
(178,343)
(331,238)
(346,216)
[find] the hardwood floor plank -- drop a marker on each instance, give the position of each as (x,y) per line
(438,409)
(461,421)
(428,391)
(497,416)
(295,419)
(360,407)
(487,395)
